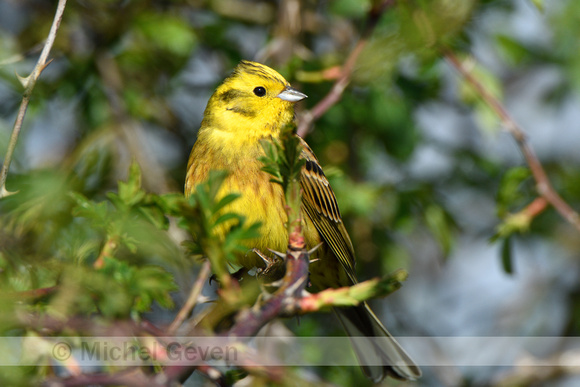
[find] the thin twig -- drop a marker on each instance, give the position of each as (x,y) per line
(109,248)
(543,185)
(535,208)
(192,299)
(29,83)
(352,295)
(309,117)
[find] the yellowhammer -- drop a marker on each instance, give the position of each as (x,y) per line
(255,103)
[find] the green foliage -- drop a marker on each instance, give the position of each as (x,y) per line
(84,232)
(416,28)
(165,32)
(218,234)
(351,8)
(539,4)
(510,194)
(507,256)
(111,257)
(282,158)
(512,51)
(145,285)
(485,115)
(440,225)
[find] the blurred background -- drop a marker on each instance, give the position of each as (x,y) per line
(423,172)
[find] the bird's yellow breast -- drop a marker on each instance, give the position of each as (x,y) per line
(260,200)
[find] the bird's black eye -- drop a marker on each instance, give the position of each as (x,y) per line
(260,91)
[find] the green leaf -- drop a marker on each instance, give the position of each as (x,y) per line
(143,285)
(512,51)
(130,192)
(485,115)
(156,216)
(438,224)
(225,201)
(282,158)
(169,32)
(226,217)
(234,239)
(351,8)
(510,193)
(512,223)
(506,256)
(99,214)
(172,203)
(539,4)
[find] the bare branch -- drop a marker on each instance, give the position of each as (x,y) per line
(308,118)
(543,185)
(29,83)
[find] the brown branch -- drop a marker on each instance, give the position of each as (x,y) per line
(29,83)
(284,300)
(543,185)
(335,94)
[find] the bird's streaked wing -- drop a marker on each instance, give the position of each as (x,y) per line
(319,203)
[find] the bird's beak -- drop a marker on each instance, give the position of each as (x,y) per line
(291,95)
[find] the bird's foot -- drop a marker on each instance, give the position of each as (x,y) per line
(271,264)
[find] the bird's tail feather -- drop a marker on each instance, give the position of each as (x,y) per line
(380,355)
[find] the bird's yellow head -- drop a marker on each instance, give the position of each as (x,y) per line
(253,103)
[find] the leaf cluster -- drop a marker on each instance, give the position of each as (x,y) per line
(282,157)
(218,234)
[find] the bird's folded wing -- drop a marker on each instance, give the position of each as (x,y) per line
(320,204)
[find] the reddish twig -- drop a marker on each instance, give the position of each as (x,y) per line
(536,207)
(334,95)
(108,251)
(543,185)
(29,83)
(352,295)
(34,293)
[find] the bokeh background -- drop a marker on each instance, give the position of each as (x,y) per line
(423,172)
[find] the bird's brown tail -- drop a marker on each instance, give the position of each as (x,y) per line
(380,355)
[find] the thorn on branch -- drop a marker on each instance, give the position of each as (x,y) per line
(28,84)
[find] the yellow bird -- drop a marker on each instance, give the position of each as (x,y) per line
(255,103)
